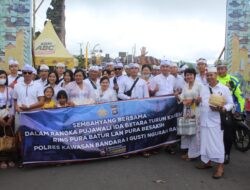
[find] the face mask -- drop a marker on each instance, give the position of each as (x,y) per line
(146,76)
(2,81)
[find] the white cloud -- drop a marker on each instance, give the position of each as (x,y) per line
(179,35)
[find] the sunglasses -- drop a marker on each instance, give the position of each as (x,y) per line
(118,69)
(26,72)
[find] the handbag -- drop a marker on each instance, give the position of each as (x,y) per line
(4,112)
(186,126)
(8,143)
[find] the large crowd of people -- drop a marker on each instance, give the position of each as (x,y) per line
(45,88)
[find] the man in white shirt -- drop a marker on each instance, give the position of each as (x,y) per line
(212,145)
(34,74)
(164,83)
(60,69)
(179,81)
(100,72)
(43,73)
(118,79)
(201,67)
(110,66)
(126,69)
(156,70)
(28,95)
(140,88)
(182,68)
(93,81)
(13,77)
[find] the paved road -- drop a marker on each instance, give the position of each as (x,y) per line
(134,173)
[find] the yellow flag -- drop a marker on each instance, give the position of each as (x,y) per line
(86,57)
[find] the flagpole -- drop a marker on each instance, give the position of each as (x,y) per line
(34,28)
(34,18)
(86,55)
(36,9)
(221,53)
(34,14)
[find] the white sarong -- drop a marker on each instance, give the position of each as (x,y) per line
(212,145)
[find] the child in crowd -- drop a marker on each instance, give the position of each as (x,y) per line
(62,99)
(49,103)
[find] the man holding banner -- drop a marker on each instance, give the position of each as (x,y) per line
(164,83)
(28,95)
(134,87)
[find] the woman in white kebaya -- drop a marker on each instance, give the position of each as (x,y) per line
(190,97)
(53,82)
(105,94)
(79,92)
(68,77)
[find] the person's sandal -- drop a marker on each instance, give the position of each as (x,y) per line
(203,166)
(218,174)
(219,171)
(3,165)
(184,157)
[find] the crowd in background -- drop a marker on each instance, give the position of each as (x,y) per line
(45,88)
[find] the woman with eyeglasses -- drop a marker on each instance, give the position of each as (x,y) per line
(6,118)
(105,94)
(79,92)
(53,81)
